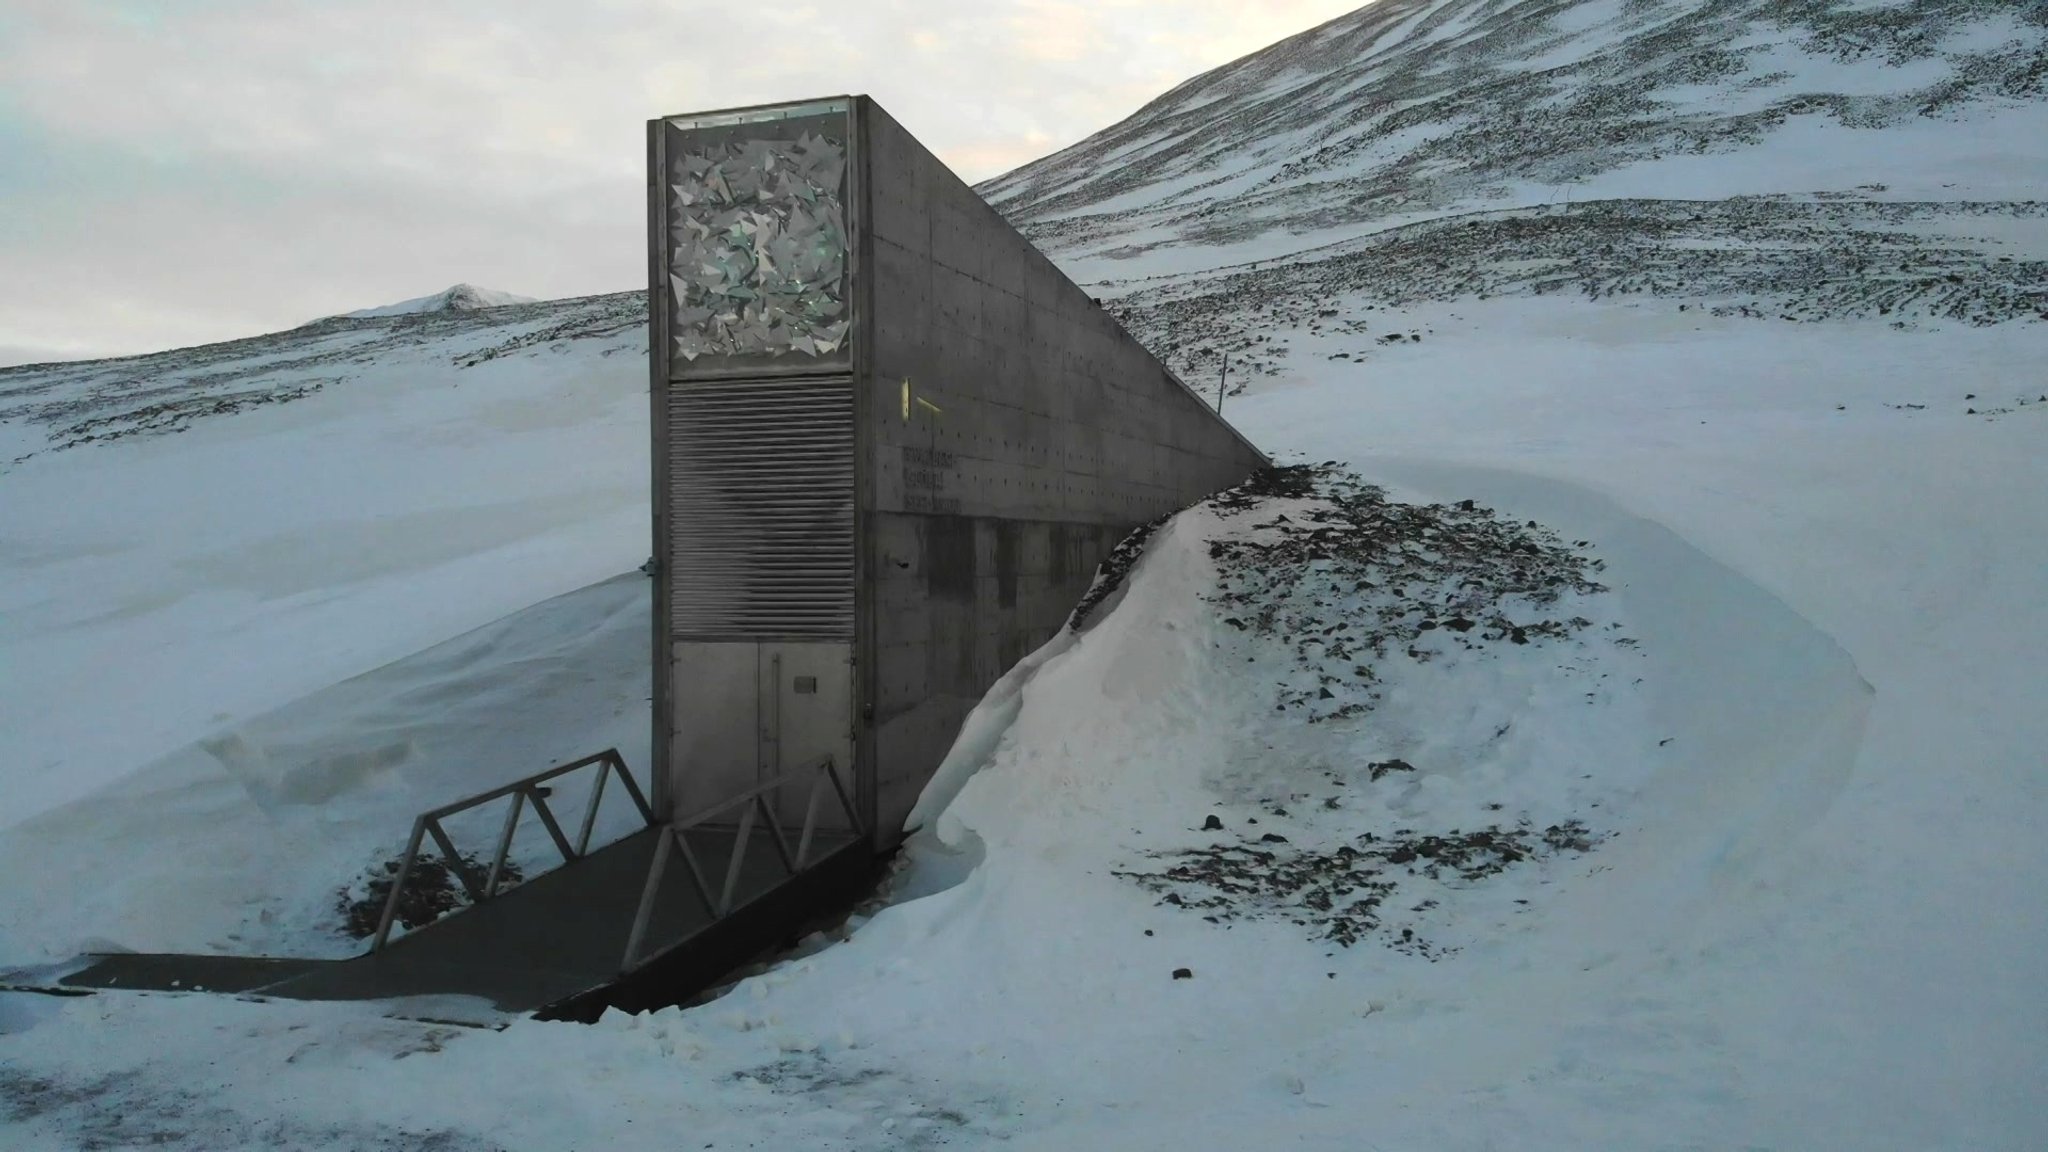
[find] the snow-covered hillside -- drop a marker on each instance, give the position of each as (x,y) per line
(193,538)
(52,407)
(460,298)
(1633,741)
(1414,108)
(1782,161)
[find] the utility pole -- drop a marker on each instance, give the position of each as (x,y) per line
(1223,384)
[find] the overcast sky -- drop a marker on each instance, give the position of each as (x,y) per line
(177,171)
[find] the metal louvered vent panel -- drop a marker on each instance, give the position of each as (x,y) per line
(761,509)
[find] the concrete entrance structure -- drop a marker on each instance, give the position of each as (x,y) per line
(892,442)
(891,445)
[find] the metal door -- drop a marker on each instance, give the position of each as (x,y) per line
(760,524)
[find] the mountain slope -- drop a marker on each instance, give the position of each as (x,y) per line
(52,407)
(1419,106)
(1741,850)
(460,298)
(1811,160)
(195,537)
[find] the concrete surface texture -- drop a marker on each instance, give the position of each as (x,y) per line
(1008,433)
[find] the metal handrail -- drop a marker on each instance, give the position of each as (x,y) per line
(755,802)
(523,791)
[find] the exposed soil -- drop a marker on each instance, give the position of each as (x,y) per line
(1347,578)
(1767,258)
(1414,106)
(1343,894)
(1344,580)
(432,890)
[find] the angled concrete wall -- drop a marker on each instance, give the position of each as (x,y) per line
(1004,434)
(1013,434)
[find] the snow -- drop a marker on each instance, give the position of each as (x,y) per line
(154,590)
(461,297)
(240,842)
(1814,924)
(1996,155)
(235,660)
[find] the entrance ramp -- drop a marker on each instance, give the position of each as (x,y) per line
(648,920)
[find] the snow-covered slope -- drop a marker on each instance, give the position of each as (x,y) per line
(52,407)
(193,538)
(460,298)
(1420,107)
(1804,763)
(1803,161)
(1731,840)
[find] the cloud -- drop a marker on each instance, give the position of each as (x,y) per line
(207,168)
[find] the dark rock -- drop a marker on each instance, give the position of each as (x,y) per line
(1183,973)
(1272,838)
(1385,766)
(432,890)
(1213,824)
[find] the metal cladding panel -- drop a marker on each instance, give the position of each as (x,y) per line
(758,257)
(761,509)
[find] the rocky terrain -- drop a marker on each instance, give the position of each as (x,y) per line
(1338,586)
(1425,106)
(1803,161)
(1791,162)
(1792,259)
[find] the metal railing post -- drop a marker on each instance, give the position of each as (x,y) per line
(412,851)
(428,823)
(504,843)
(645,914)
(604,772)
(632,788)
(540,807)
(845,804)
(754,804)
(455,863)
(739,856)
(803,844)
(775,835)
(702,885)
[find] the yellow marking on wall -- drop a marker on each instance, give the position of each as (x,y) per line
(906,399)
